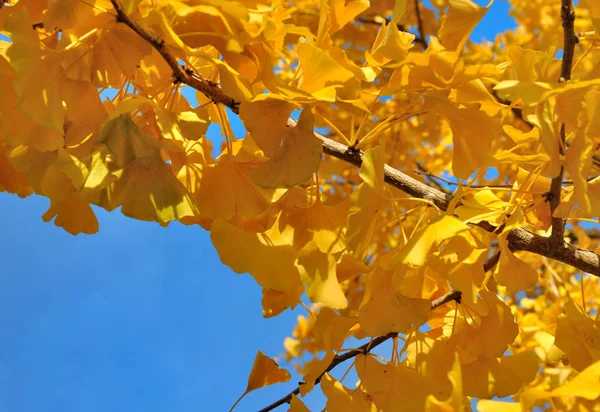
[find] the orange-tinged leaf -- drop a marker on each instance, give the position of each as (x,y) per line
(317,271)
(459,21)
(383,310)
(239,250)
(11,180)
(265,372)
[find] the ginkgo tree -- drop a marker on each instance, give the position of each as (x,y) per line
(432,193)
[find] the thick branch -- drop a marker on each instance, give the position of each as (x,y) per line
(518,239)
(455,296)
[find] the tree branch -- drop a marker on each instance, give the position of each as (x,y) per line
(421,37)
(567,15)
(455,296)
(518,239)
(186,76)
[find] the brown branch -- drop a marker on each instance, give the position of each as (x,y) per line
(518,239)
(432,179)
(181,75)
(455,296)
(421,37)
(567,15)
(491,262)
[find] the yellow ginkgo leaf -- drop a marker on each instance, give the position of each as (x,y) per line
(11,180)
(73,214)
(514,273)
(391,44)
(383,310)
(319,70)
(485,405)
(266,120)
(455,401)
(296,405)
(36,82)
(487,377)
(343,12)
(459,21)
(148,190)
(491,334)
(238,249)
(585,385)
(330,329)
(274,301)
(317,271)
(417,249)
(104,57)
(126,141)
(396,387)
(265,372)
(578,336)
(365,203)
(297,158)
(214,199)
(340,398)
(64,14)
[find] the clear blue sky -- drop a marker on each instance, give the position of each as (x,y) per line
(135,318)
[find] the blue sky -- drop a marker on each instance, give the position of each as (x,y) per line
(135,318)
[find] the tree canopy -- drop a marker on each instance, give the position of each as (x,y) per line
(416,187)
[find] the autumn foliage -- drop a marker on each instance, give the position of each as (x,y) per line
(418,188)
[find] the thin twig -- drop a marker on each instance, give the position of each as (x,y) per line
(431,178)
(567,15)
(455,296)
(421,37)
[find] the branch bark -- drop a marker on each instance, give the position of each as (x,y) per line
(567,15)
(518,239)
(455,296)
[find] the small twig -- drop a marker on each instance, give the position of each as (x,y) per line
(421,37)
(431,178)
(455,296)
